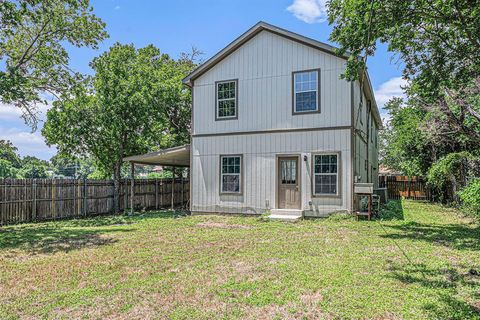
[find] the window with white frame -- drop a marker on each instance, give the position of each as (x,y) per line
(226,99)
(230,171)
(306,95)
(325,174)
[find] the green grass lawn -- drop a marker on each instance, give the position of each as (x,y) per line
(421,264)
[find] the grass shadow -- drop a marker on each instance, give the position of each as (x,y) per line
(456,236)
(118,220)
(47,239)
(444,282)
(73,234)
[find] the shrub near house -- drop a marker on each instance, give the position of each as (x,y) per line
(470,197)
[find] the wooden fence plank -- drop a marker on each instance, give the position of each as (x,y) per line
(398,187)
(27,200)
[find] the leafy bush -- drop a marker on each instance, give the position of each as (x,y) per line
(392,210)
(160,175)
(448,174)
(7,170)
(470,197)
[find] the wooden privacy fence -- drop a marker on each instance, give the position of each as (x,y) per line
(405,187)
(26,200)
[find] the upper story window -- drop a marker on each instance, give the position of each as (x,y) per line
(306,91)
(226,100)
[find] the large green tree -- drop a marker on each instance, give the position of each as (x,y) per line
(9,153)
(33,36)
(134,103)
(33,168)
(436,42)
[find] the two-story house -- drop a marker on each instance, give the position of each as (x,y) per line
(275,128)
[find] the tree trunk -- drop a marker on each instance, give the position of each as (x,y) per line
(454,189)
(116,186)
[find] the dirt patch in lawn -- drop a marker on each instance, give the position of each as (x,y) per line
(220,225)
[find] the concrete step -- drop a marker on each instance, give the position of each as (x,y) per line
(286,214)
(284,217)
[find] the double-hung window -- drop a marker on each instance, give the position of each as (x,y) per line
(306,91)
(226,99)
(231,174)
(325,174)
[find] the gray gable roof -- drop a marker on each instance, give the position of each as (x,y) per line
(263,26)
(249,34)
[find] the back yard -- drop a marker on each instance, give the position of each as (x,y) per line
(424,262)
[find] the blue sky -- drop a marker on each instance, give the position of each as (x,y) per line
(209,25)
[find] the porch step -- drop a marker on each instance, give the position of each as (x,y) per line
(285,214)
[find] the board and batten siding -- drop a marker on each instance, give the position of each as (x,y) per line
(263,67)
(365,149)
(259,153)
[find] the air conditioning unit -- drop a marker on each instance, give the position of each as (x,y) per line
(363,188)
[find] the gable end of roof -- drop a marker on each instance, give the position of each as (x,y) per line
(249,34)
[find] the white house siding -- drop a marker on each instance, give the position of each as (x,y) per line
(259,170)
(263,67)
(365,149)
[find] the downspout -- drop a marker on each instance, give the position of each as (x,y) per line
(352,145)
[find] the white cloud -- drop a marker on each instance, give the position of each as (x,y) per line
(386,91)
(389,89)
(13,128)
(9,112)
(28,143)
(309,11)
(117,8)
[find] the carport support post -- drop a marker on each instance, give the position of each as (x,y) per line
(132,185)
(173,187)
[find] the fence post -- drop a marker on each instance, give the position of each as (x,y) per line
(173,188)
(156,194)
(125,195)
(183,187)
(112,210)
(409,186)
(85,200)
(34,200)
(54,191)
(132,186)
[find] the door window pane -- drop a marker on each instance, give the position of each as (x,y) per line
(288,171)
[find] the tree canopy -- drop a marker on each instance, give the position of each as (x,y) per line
(33,35)
(437,40)
(8,152)
(134,103)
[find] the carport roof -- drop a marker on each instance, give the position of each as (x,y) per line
(176,157)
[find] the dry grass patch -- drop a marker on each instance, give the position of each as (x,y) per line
(166,266)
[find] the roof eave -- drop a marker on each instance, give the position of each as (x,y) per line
(250,33)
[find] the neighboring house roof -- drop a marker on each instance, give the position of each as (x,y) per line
(384,170)
(263,26)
